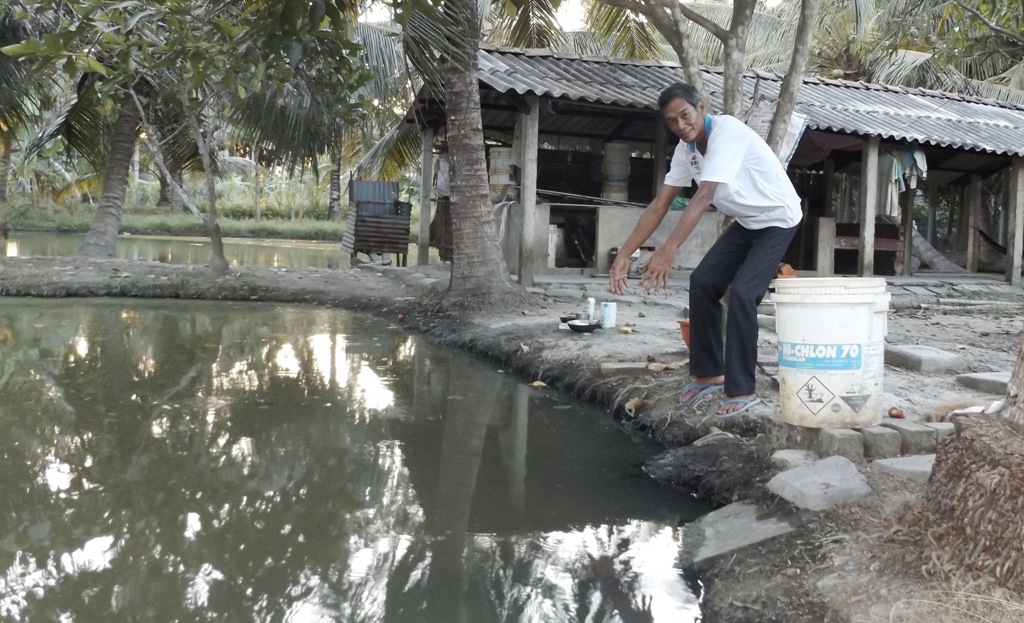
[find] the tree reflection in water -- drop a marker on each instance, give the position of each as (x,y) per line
(228,462)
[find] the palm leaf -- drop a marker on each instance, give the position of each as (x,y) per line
(395,153)
(529,24)
(628,34)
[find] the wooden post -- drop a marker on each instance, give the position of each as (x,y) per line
(825,265)
(1015,234)
(868,205)
(660,153)
(530,253)
(933,211)
(908,199)
(973,208)
(426,190)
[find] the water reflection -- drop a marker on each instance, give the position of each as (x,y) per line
(221,461)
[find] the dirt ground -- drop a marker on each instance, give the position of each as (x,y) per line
(839,565)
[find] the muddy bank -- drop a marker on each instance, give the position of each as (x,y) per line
(793,577)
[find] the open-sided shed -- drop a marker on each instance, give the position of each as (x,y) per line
(558,113)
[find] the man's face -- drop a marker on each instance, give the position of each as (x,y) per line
(685,120)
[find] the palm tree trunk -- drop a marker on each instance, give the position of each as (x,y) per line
(218,262)
(795,76)
(99,241)
(6,144)
(334,204)
(479,272)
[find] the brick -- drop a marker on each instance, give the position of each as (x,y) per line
(841,442)
(916,468)
(881,442)
(609,368)
(924,358)
(915,438)
(942,430)
(988,382)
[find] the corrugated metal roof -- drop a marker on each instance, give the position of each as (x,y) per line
(919,115)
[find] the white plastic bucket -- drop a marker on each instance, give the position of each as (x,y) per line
(831,350)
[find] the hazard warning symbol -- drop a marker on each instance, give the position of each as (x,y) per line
(814,395)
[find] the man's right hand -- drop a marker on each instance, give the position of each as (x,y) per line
(618,274)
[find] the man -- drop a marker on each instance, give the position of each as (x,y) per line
(738,173)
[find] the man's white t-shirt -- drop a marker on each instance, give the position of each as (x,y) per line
(753,187)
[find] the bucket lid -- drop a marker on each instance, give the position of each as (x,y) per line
(830,285)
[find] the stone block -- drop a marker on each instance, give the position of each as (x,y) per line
(822,484)
(535,290)
(564,293)
(915,438)
(766,322)
(988,382)
(924,358)
(841,442)
(917,468)
(881,442)
(791,436)
(791,459)
(611,368)
(942,430)
(726,530)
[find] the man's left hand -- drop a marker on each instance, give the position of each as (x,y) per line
(656,271)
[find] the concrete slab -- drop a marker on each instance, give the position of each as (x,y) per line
(881,442)
(728,529)
(988,382)
(611,368)
(942,430)
(915,438)
(790,459)
(841,442)
(924,358)
(915,468)
(822,484)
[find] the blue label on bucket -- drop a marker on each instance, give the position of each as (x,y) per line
(820,356)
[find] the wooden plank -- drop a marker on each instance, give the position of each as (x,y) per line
(531,255)
(868,205)
(426,188)
(974,189)
(1015,232)
(880,244)
(828,179)
(660,153)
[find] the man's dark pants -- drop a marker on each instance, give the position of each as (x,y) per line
(747,260)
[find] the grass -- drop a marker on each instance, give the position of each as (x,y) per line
(975,603)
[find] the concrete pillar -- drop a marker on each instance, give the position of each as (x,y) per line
(530,256)
(868,205)
(825,265)
(973,207)
(1015,237)
(426,190)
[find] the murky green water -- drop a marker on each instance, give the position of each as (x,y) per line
(190,461)
(183,250)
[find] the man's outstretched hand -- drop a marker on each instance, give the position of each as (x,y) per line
(618,273)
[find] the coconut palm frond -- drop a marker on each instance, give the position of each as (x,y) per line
(582,43)
(82,125)
(17,93)
(428,36)
(396,152)
(528,23)
(91,183)
(382,55)
(628,34)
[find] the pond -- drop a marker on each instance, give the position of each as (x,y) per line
(201,461)
(271,253)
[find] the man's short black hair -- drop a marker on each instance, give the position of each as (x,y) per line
(679,90)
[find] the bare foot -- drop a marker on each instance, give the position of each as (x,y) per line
(730,405)
(695,388)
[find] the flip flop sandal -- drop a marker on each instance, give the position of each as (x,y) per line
(702,389)
(747,403)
